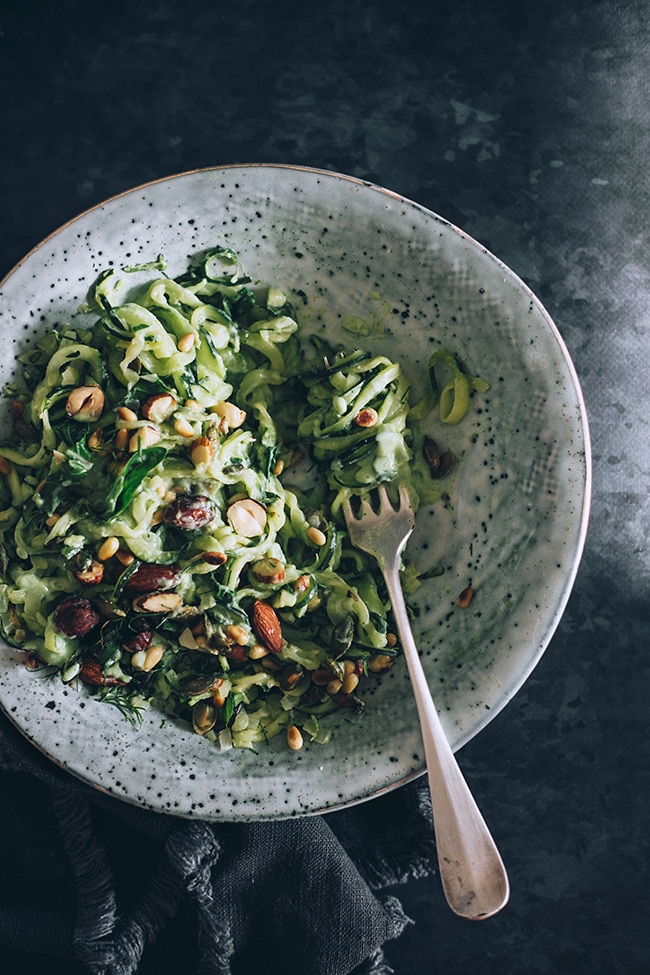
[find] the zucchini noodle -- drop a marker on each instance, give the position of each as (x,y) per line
(163,538)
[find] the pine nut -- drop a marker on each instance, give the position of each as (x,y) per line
(334,686)
(465,597)
(108,548)
(391,639)
(51,520)
(316,536)
(201,452)
(193,405)
(95,439)
(5,466)
(153,656)
(143,437)
(126,558)
(186,342)
(349,667)
(183,427)
(350,682)
(237,633)
(294,738)
(122,438)
(124,413)
(279,467)
(257,652)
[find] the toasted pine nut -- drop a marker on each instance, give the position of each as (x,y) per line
(5,466)
(294,738)
(465,597)
(108,548)
(157,516)
(257,652)
(279,467)
(201,452)
(194,405)
(349,667)
(334,686)
(143,437)
(316,536)
(52,520)
(350,682)
(186,342)
(391,639)
(124,413)
(95,439)
(238,634)
(183,427)
(126,558)
(122,438)
(153,656)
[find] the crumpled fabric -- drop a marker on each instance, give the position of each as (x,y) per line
(304,896)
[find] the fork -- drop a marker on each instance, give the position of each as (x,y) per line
(473,876)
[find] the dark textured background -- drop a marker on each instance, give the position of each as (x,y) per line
(528,125)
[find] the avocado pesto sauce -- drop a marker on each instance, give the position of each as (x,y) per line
(163,538)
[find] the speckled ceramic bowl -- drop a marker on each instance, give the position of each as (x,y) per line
(514,526)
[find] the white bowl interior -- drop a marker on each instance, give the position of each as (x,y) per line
(514,525)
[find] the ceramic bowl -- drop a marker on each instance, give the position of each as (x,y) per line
(514,524)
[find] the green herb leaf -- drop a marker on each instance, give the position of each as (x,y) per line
(134,473)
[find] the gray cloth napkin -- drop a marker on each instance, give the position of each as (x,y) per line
(95,879)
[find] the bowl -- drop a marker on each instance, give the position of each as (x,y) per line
(512,523)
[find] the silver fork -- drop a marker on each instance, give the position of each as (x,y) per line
(471,870)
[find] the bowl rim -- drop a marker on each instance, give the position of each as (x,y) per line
(582,425)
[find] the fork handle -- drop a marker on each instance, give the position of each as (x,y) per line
(471,870)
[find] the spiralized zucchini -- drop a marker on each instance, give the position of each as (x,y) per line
(159,541)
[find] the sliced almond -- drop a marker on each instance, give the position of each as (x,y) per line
(158,602)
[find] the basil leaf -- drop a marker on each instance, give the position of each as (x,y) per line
(134,473)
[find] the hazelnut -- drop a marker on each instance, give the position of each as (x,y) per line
(75,616)
(85,404)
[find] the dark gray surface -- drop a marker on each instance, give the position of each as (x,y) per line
(529,127)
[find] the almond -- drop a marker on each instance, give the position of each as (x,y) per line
(158,602)
(92,672)
(267,625)
(149,576)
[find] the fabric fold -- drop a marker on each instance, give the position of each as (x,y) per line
(274,894)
